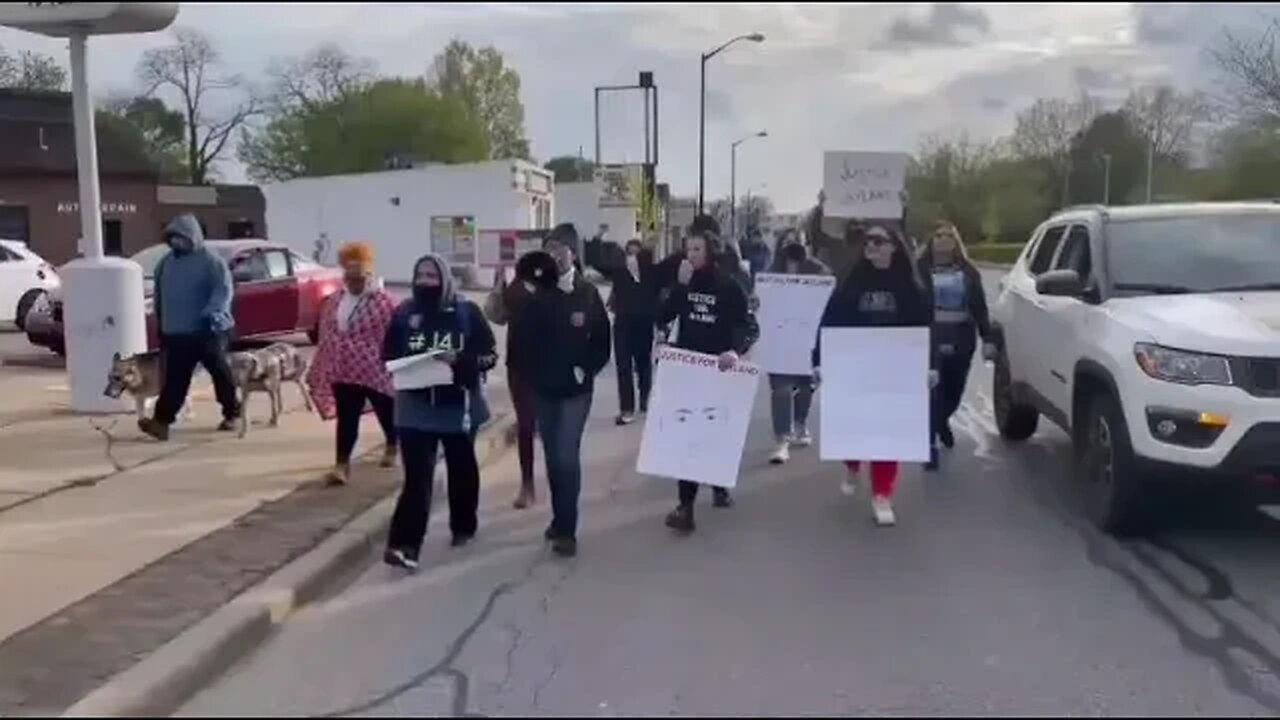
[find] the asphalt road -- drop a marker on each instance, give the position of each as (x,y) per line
(992,596)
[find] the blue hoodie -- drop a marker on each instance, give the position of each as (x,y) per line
(192,289)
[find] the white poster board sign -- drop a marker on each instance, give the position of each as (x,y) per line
(790,308)
(417,372)
(863,184)
(696,426)
(874,396)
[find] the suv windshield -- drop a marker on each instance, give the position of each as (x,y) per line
(1201,253)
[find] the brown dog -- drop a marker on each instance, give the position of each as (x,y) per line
(266,371)
(142,376)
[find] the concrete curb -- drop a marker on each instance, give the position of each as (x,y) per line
(166,678)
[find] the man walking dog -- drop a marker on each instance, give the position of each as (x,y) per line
(192,296)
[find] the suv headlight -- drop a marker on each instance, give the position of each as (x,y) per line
(1180,366)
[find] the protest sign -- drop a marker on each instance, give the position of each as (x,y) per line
(863,184)
(790,308)
(698,415)
(874,398)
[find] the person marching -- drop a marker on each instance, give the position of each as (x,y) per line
(506,306)
(438,319)
(959,318)
(880,290)
(634,301)
(792,395)
(712,316)
(347,375)
(569,327)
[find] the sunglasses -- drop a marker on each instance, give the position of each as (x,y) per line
(878,240)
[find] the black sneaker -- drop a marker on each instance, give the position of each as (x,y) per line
(460,540)
(625,419)
(565,547)
(155,429)
(550,534)
(721,498)
(681,519)
(230,424)
(933,459)
(400,559)
(947,438)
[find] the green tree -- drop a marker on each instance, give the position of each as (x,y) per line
(489,89)
(1110,135)
(390,119)
(159,130)
(571,168)
(31,71)
(188,71)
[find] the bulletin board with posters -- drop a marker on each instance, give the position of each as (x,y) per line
(454,237)
(498,248)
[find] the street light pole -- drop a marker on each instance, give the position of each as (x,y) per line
(1151,153)
(702,113)
(733,182)
(1106,179)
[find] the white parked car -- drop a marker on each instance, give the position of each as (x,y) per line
(24,278)
(1151,334)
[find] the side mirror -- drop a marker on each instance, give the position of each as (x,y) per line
(1060,283)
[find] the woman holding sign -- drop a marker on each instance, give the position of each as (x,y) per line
(436,319)
(882,289)
(959,319)
(714,318)
(792,395)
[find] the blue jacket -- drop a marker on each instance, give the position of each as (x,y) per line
(456,324)
(193,289)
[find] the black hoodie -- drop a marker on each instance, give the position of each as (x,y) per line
(713,313)
(570,331)
(869,297)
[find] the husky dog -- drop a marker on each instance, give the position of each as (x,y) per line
(266,371)
(142,376)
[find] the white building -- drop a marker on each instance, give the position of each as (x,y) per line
(393,210)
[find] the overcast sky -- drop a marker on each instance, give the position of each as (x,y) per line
(849,77)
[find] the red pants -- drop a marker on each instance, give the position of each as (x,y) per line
(884,474)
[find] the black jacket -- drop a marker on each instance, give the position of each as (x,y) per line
(875,298)
(557,333)
(713,313)
(632,298)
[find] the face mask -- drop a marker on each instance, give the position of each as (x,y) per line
(427,296)
(794,253)
(180,244)
(565,283)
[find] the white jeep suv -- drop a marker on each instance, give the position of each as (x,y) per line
(1151,334)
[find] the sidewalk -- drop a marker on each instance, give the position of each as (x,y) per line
(112,544)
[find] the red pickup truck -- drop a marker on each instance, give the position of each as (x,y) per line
(277,292)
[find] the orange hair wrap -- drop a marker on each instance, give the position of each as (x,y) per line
(356,253)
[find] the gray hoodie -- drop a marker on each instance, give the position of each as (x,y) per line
(193,288)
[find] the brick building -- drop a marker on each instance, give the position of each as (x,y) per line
(39,195)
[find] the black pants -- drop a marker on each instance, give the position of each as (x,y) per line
(633,353)
(350,400)
(182,353)
(953,375)
(418,452)
(689,491)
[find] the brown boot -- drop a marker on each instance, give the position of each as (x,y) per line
(339,475)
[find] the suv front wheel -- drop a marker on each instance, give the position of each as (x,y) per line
(1105,465)
(1015,421)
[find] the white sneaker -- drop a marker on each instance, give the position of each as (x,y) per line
(882,508)
(802,438)
(849,485)
(782,454)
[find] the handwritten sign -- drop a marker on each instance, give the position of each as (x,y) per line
(790,309)
(698,415)
(864,184)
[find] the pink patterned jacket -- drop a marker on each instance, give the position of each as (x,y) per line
(352,357)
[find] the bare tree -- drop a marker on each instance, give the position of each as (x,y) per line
(188,69)
(31,71)
(1169,118)
(1252,70)
(1045,129)
(323,76)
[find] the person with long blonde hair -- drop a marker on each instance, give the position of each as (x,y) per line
(959,319)
(347,376)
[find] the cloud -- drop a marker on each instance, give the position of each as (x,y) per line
(945,24)
(828,76)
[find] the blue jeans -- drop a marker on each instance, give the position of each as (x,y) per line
(561,422)
(791,397)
